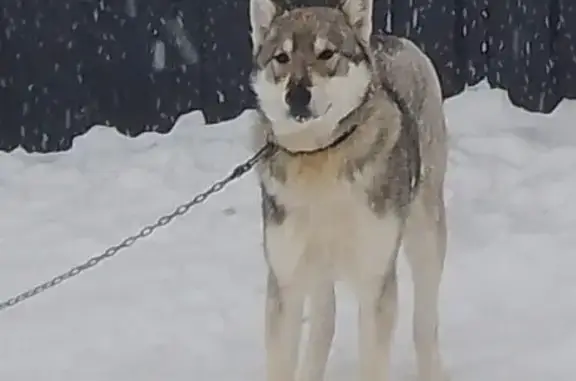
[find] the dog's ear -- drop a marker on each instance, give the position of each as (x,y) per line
(262,12)
(359,14)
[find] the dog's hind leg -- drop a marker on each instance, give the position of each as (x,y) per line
(425,248)
(322,323)
(284,307)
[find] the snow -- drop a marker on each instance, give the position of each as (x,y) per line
(187,302)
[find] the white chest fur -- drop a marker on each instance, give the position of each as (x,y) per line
(329,233)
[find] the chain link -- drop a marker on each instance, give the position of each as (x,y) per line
(266,151)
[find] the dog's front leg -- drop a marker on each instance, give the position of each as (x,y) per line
(377,316)
(322,325)
(284,308)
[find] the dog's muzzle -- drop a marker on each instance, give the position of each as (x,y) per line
(298,99)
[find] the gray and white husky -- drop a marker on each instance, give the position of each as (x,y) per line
(359,170)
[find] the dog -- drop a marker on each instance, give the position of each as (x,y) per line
(361,153)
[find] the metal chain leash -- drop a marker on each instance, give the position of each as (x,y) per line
(266,151)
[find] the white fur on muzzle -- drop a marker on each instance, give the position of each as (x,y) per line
(332,99)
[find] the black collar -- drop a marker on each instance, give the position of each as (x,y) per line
(336,142)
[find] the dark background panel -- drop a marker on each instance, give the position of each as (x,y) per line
(43,103)
(433,26)
(382,15)
(471,45)
(501,30)
(521,56)
(533,84)
(147,64)
(564,47)
(226,59)
(139,64)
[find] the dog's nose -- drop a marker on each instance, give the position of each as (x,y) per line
(298,98)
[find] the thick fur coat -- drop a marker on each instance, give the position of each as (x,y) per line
(359,171)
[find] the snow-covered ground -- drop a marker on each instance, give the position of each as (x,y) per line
(186,303)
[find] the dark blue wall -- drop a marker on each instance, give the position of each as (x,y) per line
(68,64)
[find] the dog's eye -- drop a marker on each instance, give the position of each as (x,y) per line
(282,58)
(325,55)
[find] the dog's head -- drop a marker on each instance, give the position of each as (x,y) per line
(311,64)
